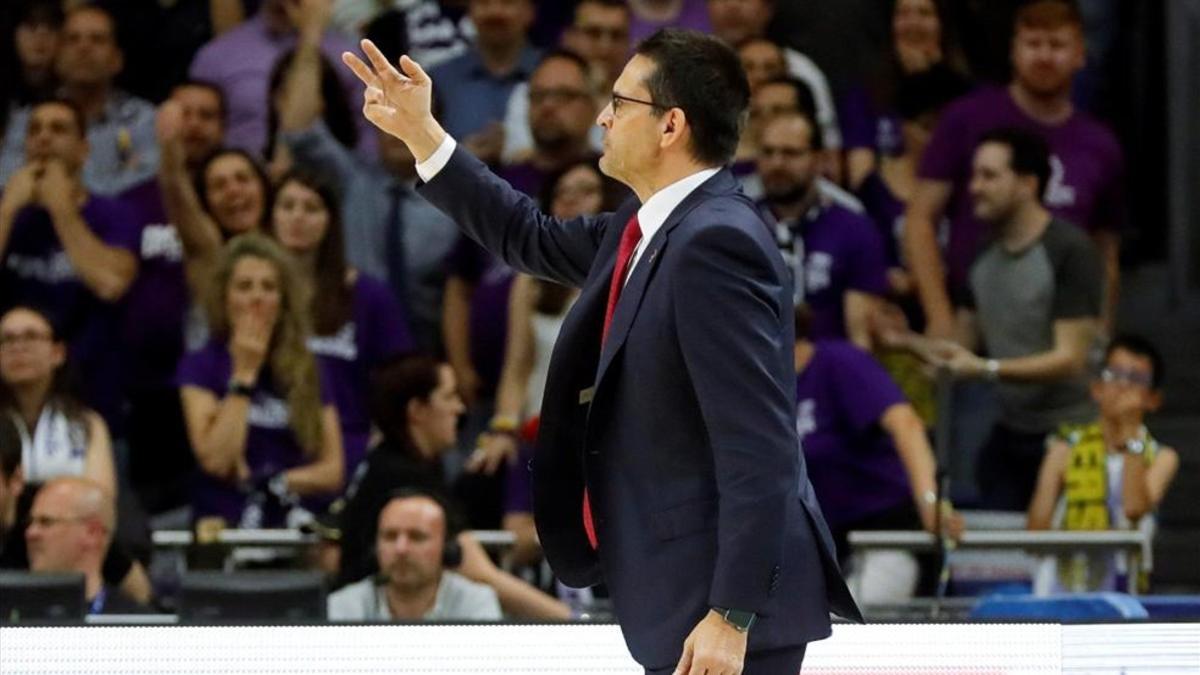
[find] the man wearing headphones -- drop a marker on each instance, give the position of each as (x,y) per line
(415,544)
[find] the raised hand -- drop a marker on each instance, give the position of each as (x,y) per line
(55,189)
(22,188)
(398,101)
(248,346)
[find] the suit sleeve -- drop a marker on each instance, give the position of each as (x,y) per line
(510,224)
(729,301)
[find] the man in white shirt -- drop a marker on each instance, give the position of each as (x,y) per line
(414,545)
(666,463)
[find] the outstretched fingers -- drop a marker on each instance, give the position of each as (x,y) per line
(386,71)
(361,70)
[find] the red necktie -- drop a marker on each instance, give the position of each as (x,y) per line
(629,241)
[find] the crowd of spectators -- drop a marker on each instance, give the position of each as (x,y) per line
(221,296)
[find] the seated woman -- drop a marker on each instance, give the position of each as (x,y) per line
(263,429)
(59,436)
(869,461)
(415,403)
(357,322)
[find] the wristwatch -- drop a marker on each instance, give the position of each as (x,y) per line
(991,369)
(1135,446)
(236,388)
(742,621)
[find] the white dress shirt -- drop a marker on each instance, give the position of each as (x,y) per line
(651,215)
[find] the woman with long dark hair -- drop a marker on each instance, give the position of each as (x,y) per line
(263,429)
(357,322)
(59,435)
(923,39)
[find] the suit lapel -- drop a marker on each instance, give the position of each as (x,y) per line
(639,279)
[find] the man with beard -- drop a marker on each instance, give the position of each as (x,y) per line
(1031,306)
(561,111)
(836,255)
(414,545)
(1086,174)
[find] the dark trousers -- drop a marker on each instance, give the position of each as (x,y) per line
(1008,468)
(785,661)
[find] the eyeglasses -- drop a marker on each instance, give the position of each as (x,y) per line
(51,521)
(618,99)
(1123,376)
(28,337)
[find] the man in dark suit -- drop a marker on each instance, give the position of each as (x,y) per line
(667,463)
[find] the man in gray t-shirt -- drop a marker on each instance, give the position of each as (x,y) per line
(1032,305)
(413,583)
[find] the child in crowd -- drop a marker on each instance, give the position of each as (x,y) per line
(1107,475)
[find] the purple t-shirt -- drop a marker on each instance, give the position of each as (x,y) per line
(240,60)
(693,14)
(36,271)
(378,330)
(842,251)
(1086,169)
(841,397)
(492,279)
(271,446)
(864,126)
(887,211)
(157,303)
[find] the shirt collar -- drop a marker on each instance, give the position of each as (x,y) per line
(658,208)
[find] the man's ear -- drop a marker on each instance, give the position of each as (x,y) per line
(674,127)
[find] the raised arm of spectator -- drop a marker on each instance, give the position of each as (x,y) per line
(923,257)
(323,475)
(198,232)
(859,308)
(1049,485)
(495,448)
(98,462)
(302,102)
(17,194)
(908,434)
(517,597)
(106,270)
(456,336)
(1144,486)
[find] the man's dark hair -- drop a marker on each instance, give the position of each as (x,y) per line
(614,4)
(700,75)
(10,446)
(805,100)
(40,13)
(76,113)
(566,55)
(1139,346)
(210,86)
(802,320)
(1028,153)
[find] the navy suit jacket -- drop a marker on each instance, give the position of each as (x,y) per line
(681,427)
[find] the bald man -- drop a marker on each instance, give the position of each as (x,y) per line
(70,529)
